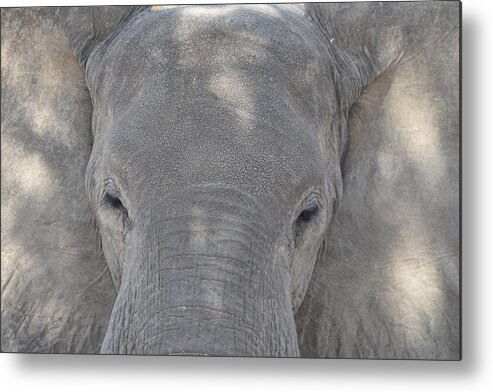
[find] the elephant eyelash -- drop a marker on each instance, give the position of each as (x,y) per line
(308,214)
(113,201)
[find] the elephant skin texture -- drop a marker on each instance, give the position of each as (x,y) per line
(232,180)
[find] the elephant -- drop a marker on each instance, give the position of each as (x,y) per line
(268,180)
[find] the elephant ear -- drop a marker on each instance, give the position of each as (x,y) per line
(386,285)
(57,292)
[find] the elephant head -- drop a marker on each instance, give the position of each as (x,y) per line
(214,170)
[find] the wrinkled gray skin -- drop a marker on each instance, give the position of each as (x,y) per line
(209,146)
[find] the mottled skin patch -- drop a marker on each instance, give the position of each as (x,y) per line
(218,156)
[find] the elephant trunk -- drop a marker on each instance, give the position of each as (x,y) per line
(203,290)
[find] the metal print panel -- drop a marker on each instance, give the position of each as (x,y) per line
(274,180)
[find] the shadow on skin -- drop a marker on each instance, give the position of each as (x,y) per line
(53,279)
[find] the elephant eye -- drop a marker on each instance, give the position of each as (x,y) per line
(113,201)
(307,215)
(304,222)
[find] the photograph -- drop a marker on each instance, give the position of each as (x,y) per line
(278,180)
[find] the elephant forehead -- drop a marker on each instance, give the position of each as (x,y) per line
(212,146)
(203,30)
(237,98)
(224,51)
